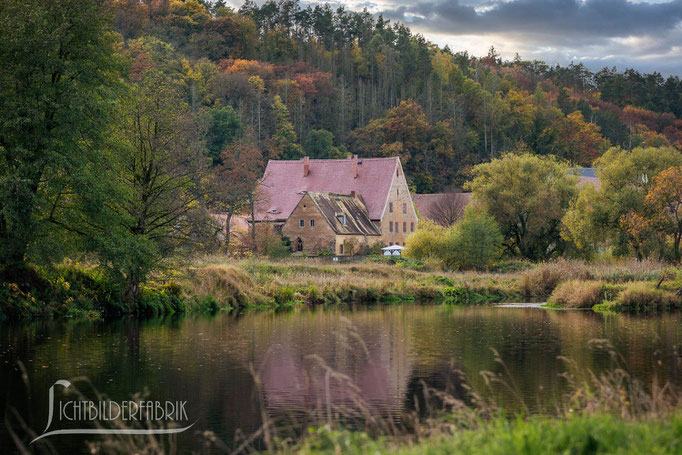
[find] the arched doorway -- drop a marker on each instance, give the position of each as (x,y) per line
(299,244)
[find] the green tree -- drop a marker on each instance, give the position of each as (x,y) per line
(471,243)
(224,127)
(283,143)
(474,242)
(615,214)
(320,144)
(162,161)
(59,76)
(664,198)
(528,196)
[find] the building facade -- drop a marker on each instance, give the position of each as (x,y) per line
(330,222)
(379,183)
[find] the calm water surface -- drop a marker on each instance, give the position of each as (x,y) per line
(385,352)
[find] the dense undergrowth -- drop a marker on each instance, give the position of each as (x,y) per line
(213,284)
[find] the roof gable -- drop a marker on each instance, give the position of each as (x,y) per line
(283,184)
(340,208)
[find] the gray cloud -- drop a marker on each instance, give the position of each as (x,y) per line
(644,34)
(605,18)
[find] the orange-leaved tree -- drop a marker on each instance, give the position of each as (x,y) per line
(664,198)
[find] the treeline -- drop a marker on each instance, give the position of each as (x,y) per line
(533,207)
(352,81)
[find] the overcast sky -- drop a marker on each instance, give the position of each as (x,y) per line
(641,34)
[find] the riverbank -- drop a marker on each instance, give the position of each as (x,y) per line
(257,283)
(213,283)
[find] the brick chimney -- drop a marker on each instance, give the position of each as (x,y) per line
(306,166)
(352,193)
(355,166)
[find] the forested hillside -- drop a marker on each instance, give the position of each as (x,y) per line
(321,82)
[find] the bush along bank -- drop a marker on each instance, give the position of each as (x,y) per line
(87,293)
(212,284)
(76,292)
(634,297)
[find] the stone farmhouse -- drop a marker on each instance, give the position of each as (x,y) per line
(324,204)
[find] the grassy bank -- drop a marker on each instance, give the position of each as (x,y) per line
(318,282)
(214,283)
(629,286)
(589,434)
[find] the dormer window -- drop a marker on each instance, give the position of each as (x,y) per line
(342,219)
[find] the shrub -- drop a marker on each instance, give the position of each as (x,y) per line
(541,281)
(156,301)
(457,294)
(270,244)
(210,304)
(375,249)
(229,285)
(399,261)
(473,242)
(640,296)
(350,247)
(427,241)
(577,294)
(65,291)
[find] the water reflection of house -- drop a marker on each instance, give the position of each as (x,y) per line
(298,375)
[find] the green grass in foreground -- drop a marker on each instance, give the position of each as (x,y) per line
(591,434)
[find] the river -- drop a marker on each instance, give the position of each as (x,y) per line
(308,359)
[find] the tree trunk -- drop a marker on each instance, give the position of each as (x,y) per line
(253,220)
(227,231)
(132,292)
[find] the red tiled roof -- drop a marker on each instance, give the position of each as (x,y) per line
(283,184)
(424,202)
